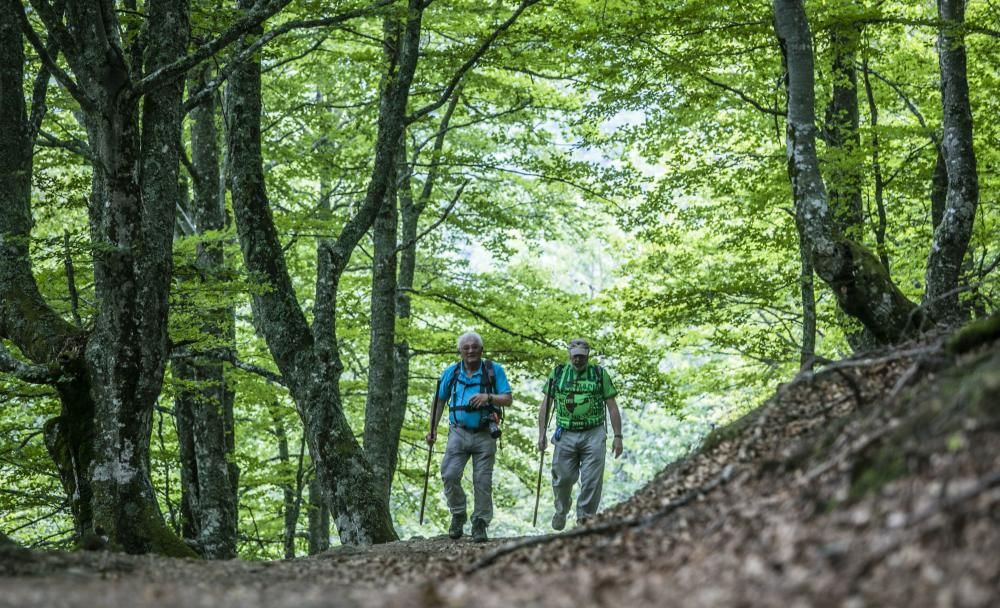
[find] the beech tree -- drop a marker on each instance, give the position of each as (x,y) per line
(354,479)
(204,404)
(858,279)
(953,231)
(127,76)
(109,378)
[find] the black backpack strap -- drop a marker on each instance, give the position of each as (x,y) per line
(557,378)
(488,382)
(451,392)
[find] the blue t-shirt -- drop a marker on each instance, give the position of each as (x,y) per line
(465,388)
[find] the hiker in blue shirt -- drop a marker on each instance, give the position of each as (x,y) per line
(475,391)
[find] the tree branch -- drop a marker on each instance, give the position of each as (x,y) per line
(756,104)
(470,62)
(227,355)
(260,13)
(32,374)
(444,216)
(475,313)
(41,86)
(906,100)
(224,73)
(61,35)
(77,147)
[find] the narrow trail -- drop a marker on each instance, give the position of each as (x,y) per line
(872,482)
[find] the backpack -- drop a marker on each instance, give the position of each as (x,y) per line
(487,384)
(556,386)
(597,370)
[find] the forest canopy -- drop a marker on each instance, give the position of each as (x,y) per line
(237,243)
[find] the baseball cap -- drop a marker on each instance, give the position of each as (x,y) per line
(579,346)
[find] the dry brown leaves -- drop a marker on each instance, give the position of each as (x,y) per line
(872,482)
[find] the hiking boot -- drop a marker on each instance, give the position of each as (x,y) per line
(457,523)
(478,531)
(558,522)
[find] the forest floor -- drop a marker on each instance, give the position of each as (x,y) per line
(872,482)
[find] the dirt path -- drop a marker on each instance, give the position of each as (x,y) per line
(875,482)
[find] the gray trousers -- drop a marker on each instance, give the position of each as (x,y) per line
(462,444)
(579,455)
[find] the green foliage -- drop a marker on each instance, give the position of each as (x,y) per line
(617,171)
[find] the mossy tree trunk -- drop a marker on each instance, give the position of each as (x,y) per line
(112,377)
(952,225)
(859,281)
(383,416)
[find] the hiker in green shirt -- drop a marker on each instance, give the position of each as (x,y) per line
(584,398)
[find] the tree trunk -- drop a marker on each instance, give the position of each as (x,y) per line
(410,211)
(101,440)
(309,361)
(807,356)
(131,218)
(204,413)
(860,283)
(953,232)
(26,319)
(319,518)
(939,188)
(877,178)
(383,418)
(383,421)
(845,171)
(842,136)
(290,505)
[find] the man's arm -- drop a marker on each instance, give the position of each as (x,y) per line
(494,399)
(437,409)
(616,425)
(543,418)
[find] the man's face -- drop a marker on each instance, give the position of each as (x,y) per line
(471,353)
(579,362)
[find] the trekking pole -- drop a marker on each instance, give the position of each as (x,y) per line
(541,460)
(430,451)
(427,475)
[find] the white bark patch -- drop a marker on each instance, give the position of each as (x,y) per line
(351,530)
(118,470)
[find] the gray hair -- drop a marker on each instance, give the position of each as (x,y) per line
(469,336)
